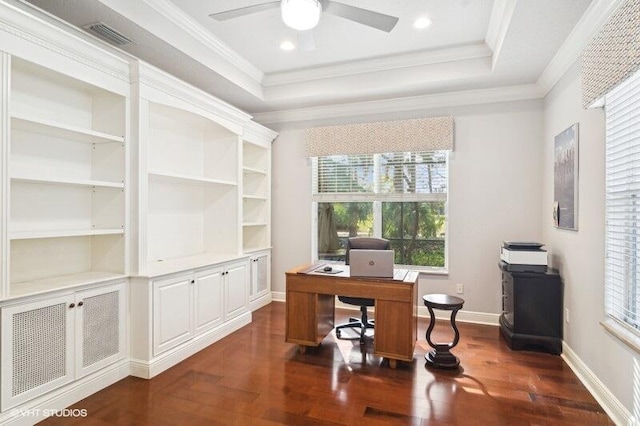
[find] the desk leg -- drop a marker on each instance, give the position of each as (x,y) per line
(393,363)
(302,349)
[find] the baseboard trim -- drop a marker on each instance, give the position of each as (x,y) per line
(278,296)
(463,316)
(260,302)
(36,410)
(148,369)
(600,392)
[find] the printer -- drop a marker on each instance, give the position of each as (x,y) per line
(523,256)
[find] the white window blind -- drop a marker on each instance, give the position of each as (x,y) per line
(622,240)
(402,176)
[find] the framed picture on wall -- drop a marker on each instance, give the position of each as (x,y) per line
(565,179)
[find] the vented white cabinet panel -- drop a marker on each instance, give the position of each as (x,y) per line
(37,348)
(208,299)
(259,275)
(48,343)
(236,282)
(100,331)
(172,312)
(263,273)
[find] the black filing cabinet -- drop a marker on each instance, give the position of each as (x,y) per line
(531,310)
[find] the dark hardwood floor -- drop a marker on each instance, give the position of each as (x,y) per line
(253,377)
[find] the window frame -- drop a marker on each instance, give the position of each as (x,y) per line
(377,212)
(613,322)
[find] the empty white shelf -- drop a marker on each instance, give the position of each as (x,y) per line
(254,197)
(192,178)
(57,233)
(66,181)
(248,224)
(62,130)
(254,170)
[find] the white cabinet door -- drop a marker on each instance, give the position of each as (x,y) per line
(100,329)
(208,299)
(236,286)
(37,348)
(259,276)
(172,312)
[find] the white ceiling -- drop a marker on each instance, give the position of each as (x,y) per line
(473,46)
(257,37)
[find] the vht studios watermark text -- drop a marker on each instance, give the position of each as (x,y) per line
(50,412)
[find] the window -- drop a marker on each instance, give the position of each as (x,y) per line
(400,196)
(622,238)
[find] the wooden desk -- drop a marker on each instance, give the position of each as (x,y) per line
(311,302)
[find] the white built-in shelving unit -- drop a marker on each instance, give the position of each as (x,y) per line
(67,168)
(202,204)
(64,216)
(189,172)
(256,211)
(256,189)
(192,186)
(134,216)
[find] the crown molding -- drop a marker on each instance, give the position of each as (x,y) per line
(587,27)
(59,37)
(166,21)
(220,111)
(384,63)
(390,106)
(52,40)
(499,23)
(257,133)
(195,30)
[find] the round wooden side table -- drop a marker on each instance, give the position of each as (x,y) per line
(441,356)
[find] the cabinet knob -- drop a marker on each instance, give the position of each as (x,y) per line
(80,303)
(73,305)
(193,281)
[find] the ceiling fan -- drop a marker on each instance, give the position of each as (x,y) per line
(303,15)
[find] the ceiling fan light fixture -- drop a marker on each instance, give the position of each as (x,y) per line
(301,15)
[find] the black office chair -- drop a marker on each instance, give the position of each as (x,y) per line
(362,323)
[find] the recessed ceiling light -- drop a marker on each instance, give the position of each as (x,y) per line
(422,23)
(287,45)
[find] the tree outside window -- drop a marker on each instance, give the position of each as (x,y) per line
(398,196)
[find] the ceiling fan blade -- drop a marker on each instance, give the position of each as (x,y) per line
(243,11)
(372,19)
(306,41)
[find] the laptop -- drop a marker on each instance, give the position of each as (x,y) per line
(371,263)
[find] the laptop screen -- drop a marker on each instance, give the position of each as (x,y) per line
(371,263)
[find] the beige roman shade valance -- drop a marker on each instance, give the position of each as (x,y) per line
(613,55)
(422,134)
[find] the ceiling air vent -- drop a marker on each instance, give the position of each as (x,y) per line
(104,31)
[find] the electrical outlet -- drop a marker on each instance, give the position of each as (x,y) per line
(460,288)
(566,315)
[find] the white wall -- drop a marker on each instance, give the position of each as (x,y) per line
(579,256)
(501,188)
(494,195)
